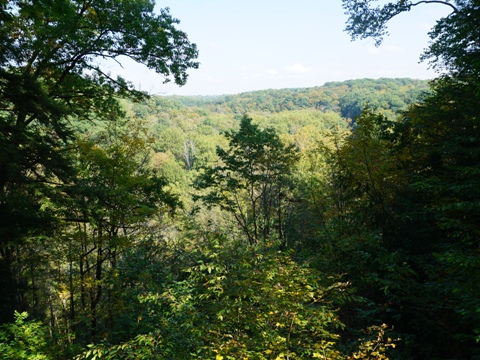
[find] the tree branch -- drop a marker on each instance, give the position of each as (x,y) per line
(436,2)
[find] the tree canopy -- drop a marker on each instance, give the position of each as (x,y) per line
(426,223)
(335,222)
(455,40)
(52,75)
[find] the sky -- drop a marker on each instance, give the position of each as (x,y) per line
(252,45)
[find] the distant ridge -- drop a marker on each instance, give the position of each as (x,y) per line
(347,97)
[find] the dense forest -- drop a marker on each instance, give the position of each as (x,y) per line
(334,222)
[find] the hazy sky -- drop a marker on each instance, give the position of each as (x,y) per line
(247,45)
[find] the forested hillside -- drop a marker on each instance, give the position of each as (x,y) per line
(335,222)
(187,130)
(348,98)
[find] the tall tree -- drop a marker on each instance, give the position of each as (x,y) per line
(50,73)
(251,182)
(436,207)
(109,202)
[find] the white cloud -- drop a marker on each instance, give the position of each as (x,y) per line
(271,72)
(297,69)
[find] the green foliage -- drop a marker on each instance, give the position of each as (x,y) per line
(238,302)
(374,347)
(365,21)
(404,214)
(264,305)
(442,173)
(24,340)
(109,202)
(432,215)
(50,78)
(152,266)
(456,42)
(68,36)
(111,279)
(91,243)
(286,108)
(250,182)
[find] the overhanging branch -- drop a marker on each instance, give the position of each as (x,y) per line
(436,2)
